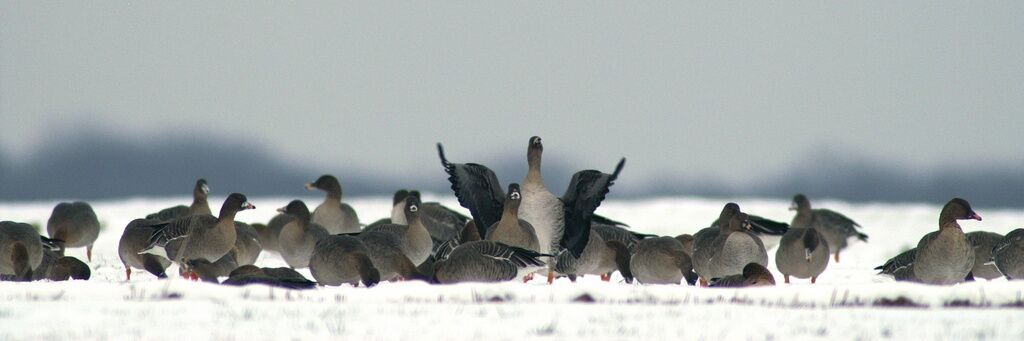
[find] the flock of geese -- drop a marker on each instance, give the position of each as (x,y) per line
(513,233)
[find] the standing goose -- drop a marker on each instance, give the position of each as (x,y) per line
(511,230)
(725,252)
(482,261)
(563,221)
(24,238)
(983,242)
(662,260)
(442,222)
(768,230)
(600,257)
(1008,255)
(414,237)
(753,275)
(334,215)
(247,249)
(270,233)
(135,238)
(341,259)
(802,253)
(200,205)
(941,257)
(299,237)
(75,224)
(201,236)
(836,228)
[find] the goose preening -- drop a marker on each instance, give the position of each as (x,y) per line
(482,261)
(1008,255)
(334,215)
(133,240)
(662,260)
(200,205)
(802,253)
(725,251)
(200,236)
(75,224)
(299,236)
(559,222)
(836,228)
(341,259)
(21,249)
(753,275)
(942,257)
(414,238)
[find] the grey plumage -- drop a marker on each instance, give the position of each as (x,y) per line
(332,214)
(726,251)
(75,224)
(133,240)
(12,233)
(983,242)
(802,253)
(415,240)
(942,257)
(661,260)
(752,275)
(299,236)
(836,228)
(342,259)
(483,261)
(199,205)
(1008,255)
(198,236)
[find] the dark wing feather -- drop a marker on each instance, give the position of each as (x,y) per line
(477,189)
(598,219)
(445,249)
(904,259)
(177,229)
(586,191)
(519,257)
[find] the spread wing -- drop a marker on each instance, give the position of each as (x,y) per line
(586,191)
(477,189)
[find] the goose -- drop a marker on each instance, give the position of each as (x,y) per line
(482,261)
(442,222)
(726,251)
(563,221)
(687,241)
(983,242)
(75,224)
(341,259)
(247,249)
(250,274)
(600,257)
(26,240)
(414,237)
(836,228)
(135,238)
(386,251)
(1008,255)
(802,253)
(200,236)
(299,237)
(942,257)
(661,260)
(768,230)
(397,210)
(617,233)
(271,232)
(199,205)
(753,275)
(511,230)
(334,215)
(56,267)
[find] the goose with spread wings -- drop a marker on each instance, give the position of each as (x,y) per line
(477,189)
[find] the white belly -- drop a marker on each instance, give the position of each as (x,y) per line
(545,212)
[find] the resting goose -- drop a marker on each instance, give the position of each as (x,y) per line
(341,259)
(135,238)
(563,221)
(482,261)
(942,257)
(600,257)
(753,275)
(75,224)
(802,253)
(251,274)
(836,228)
(200,205)
(334,215)
(299,237)
(661,260)
(1008,255)
(726,251)
(55,267)
(414,237)
(270,233)
(200,236)
(983,242)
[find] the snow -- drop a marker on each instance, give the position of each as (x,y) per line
(844,304)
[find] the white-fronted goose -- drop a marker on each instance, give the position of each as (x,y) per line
(334,215)
(836,228)
(75,224)
(199,205)
(299,237)
(201,236)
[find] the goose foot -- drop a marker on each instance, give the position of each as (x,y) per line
(786,277)
(703,282)
(814,279)
(606,277)
(127,273)
(551,277)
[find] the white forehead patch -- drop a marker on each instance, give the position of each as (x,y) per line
(515,196)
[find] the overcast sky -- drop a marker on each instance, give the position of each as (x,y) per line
(717,90)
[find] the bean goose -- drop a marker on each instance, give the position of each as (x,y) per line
(299,237)
(836,228)
(75,224)
(334,215)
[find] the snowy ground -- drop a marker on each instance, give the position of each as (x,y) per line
(845,304)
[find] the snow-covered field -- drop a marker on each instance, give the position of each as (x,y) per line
(845,304)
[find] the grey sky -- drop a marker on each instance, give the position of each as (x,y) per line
(705,90)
